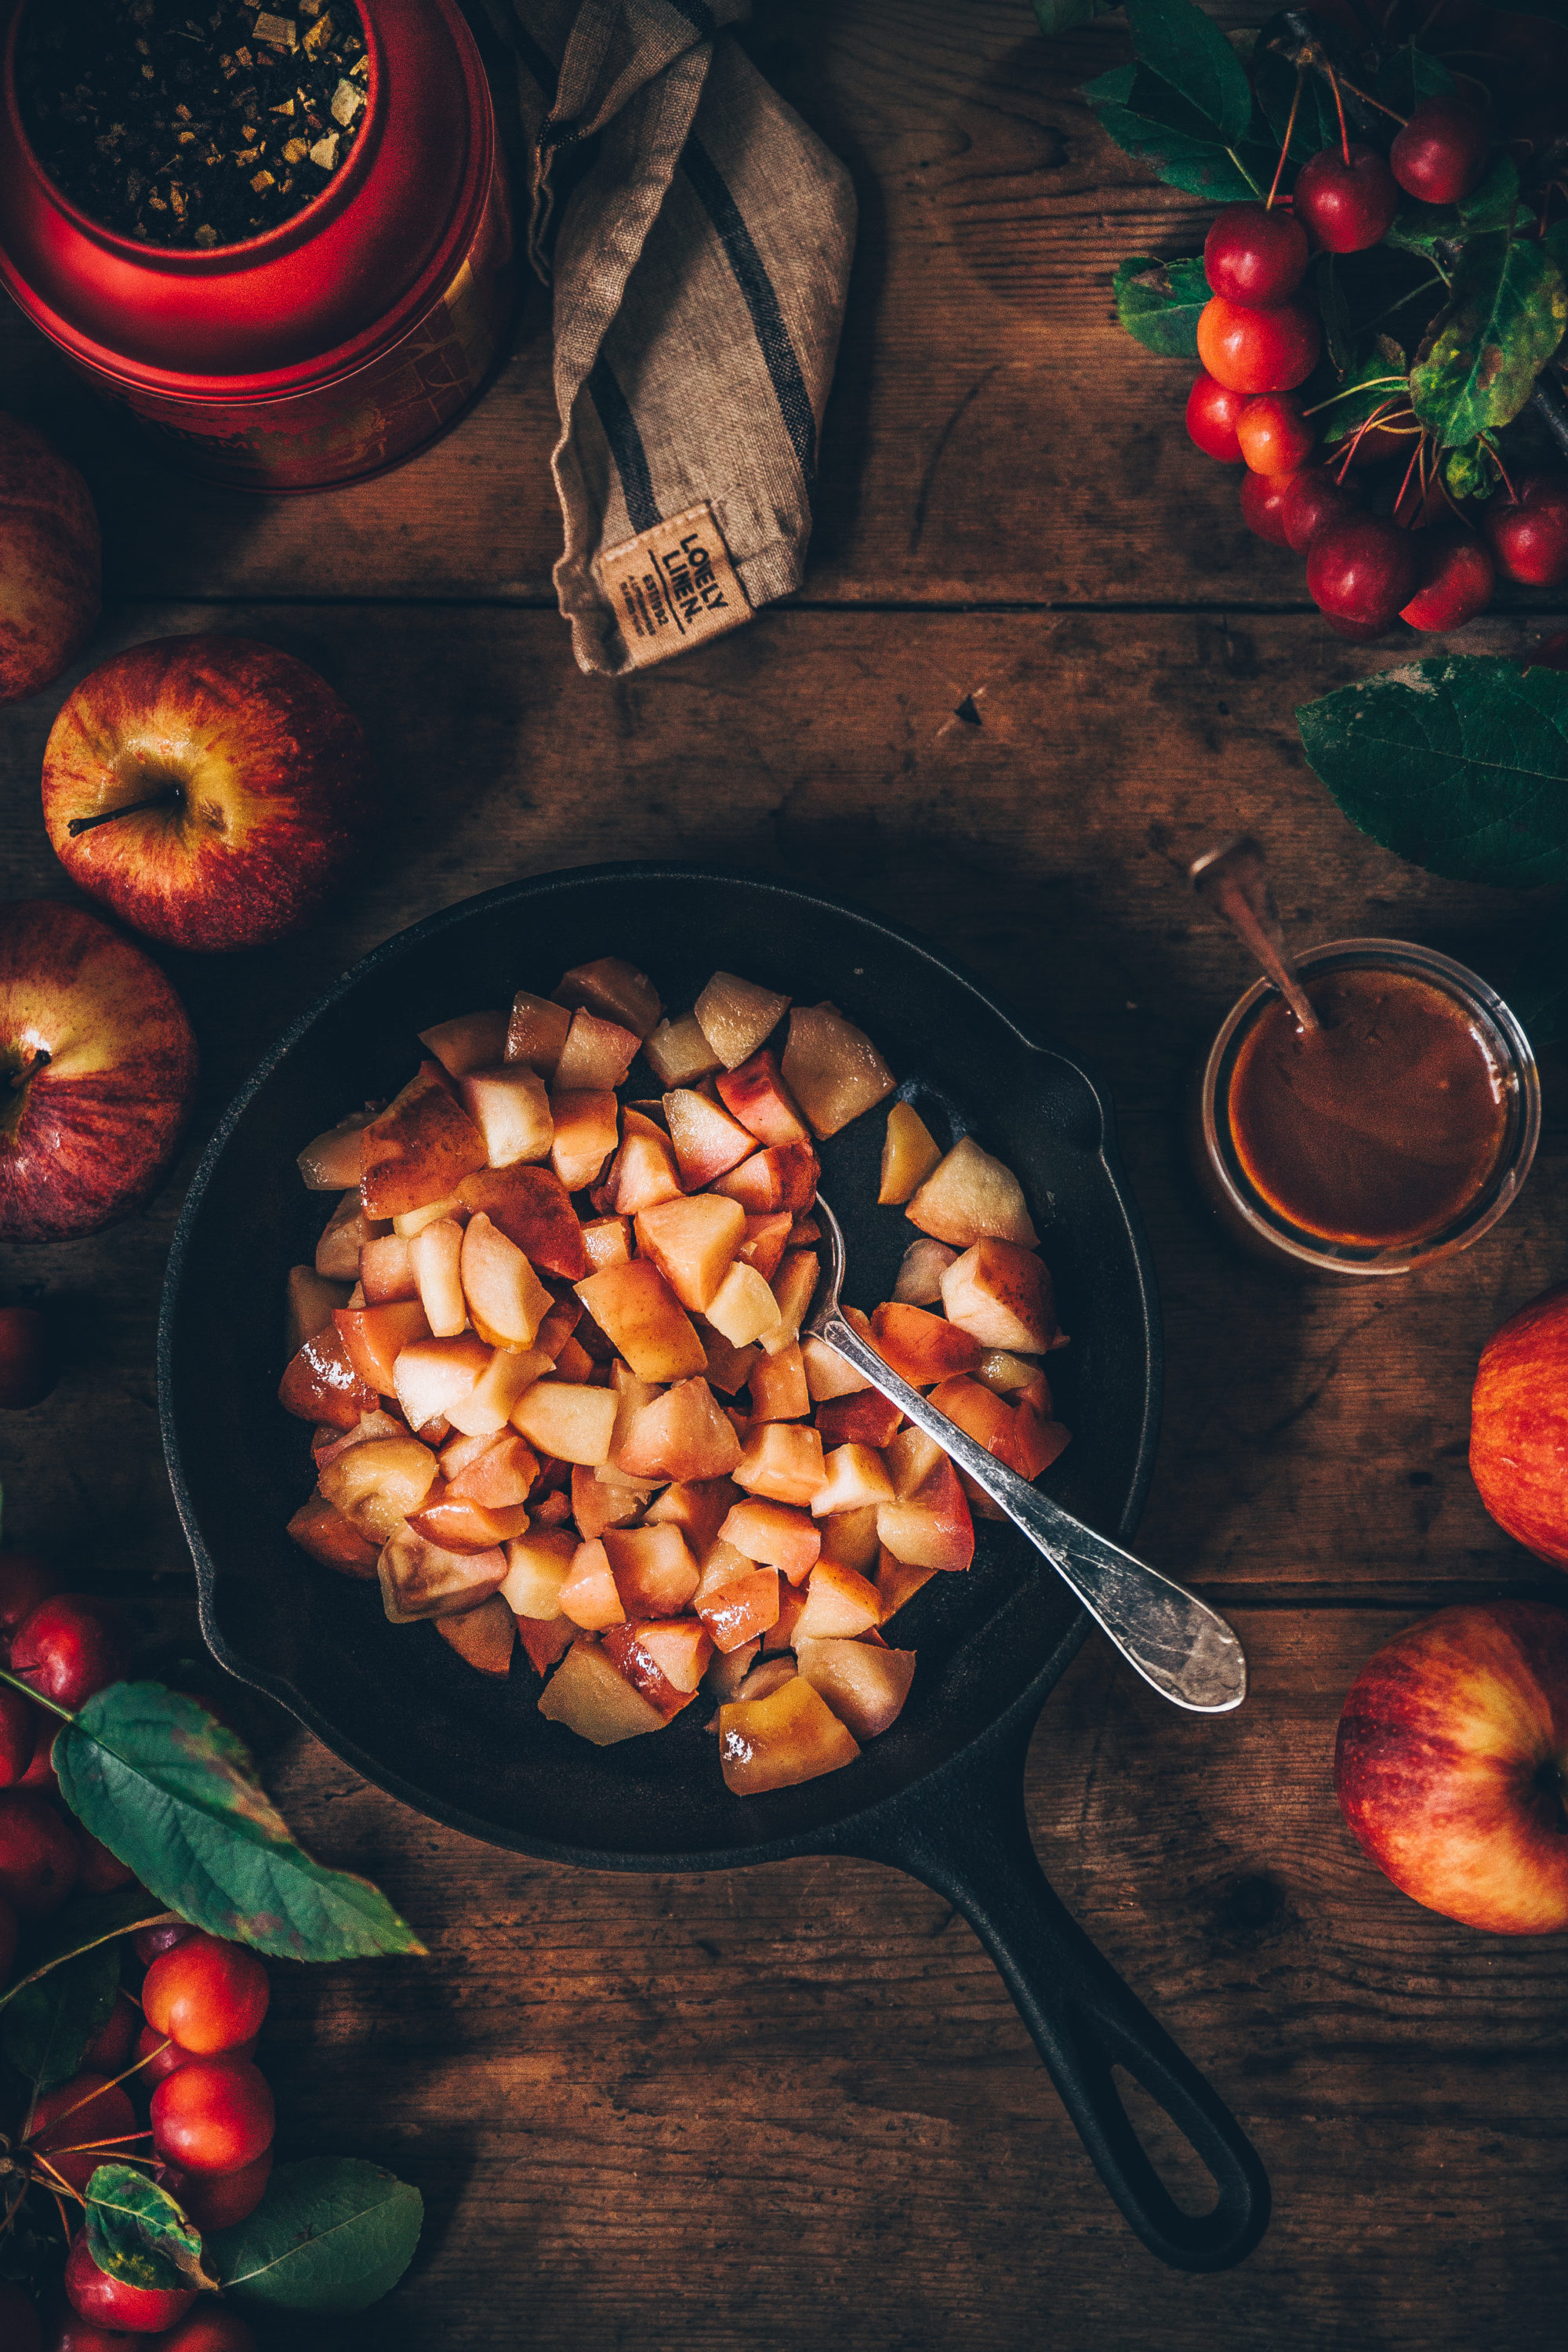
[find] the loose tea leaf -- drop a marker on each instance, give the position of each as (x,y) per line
(1159,301)
(1459,764)
(136,2232)
(331,2234)
(172,1792)
(44,2032)
(1505,318)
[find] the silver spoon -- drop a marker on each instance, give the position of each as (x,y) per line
(1182,1647)
(1234,879)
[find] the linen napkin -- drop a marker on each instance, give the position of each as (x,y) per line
(699,238)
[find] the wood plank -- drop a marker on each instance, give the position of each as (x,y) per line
(1315,1436)
(799,2108)
(994,435)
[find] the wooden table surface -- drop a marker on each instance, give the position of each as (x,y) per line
(1037,663)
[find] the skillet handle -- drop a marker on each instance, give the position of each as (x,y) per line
(965,1833)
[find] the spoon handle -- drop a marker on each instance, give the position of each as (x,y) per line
(1182,1647)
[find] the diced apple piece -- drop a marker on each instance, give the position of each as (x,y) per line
(736,1016)
(614,990)
(419,1579)
(783,1462)
(921,1347)
(472,1042)
(645,1172)
(432,1377)
(509,1105)
(1018,1378)
(1038,1442)
(727,1669)
(501,1475)
(327,1443)
(1002,1295)
(537,1566)
(776,1742)
(792,1603)
(856,1481)
(308,1302)
(769,1675)
(587,1131)
(777,1386)
(607,1241)
(910,1459)
(708,1142)
(484,1637)
(531,1208)
(866,1419)
(564,1418)
(588,1594)
(497,1285)
(743,1306)
(897,1581)
(767,1238)
(736,1599)
(595,1057)
(596,1506)
(545,1639)
(586,1694)
(644,1321)
(410,1222)
(386,1270)
(693,1244)
(509,1375)
(680,1646)
(775,1533)
(377,1486)
(840,1602)
(828,1373)
(558,1326)
(322,1384)
(782,1176)
(758,1096)
(536,1031)
(655,1572)
(832,1069)
(850,1538)
(727,1368)
(419,1148)
(331,1162)
(991,1421)
(459,1526)
(678,1053)
(932,1527)
(806,1232)
(910,1152)
(970,1197)
(865,1686)
(697,1508)
(630,1656)
(794,1287)
(680,1434)
(318,1527)
(631,1394)
(920,1274)
(344,1236)
(434,1254)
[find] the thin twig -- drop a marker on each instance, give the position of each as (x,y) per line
(1285,149)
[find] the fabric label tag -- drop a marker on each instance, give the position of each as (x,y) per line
(673,586)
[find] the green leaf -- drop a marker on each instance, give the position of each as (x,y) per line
(333,2233)
(1150,121)
(1186,49)
(1491,204)
(1376,385)
(1158,303)
(46,2029)
(136,2232)
(1471,472)
(1066,16)
(1458,763)
(173,1793)
(87,1920)
(1505,319)
(1408,75)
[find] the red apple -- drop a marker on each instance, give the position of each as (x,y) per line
(50,566)
(1519,1426)
(211,790)
(98,1067)
(1452,1760)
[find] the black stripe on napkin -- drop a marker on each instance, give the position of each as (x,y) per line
(626,446)
(756,286)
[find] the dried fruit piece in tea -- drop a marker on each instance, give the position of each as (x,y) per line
(186,124)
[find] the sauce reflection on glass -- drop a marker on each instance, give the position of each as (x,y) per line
(1382,1129)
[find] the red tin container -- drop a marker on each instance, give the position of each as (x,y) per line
(342,341)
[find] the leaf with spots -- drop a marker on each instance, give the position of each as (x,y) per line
(1504,318)
(1158,303)
(136,2232)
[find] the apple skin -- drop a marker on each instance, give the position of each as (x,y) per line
(1451,1764)
(271,785)
(89,1134)
(1519,1426)
(51,562)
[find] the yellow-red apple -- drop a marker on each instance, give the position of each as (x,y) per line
(1519,1426)
(50,562)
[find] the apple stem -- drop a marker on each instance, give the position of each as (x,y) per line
(165,799)
(36,1061)
(37,1697)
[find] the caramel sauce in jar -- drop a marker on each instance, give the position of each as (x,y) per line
(1382,1129)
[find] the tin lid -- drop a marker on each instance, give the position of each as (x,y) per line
(340,280)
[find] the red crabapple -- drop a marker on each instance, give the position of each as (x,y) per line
(148,1942)
(1362,569)
(18,1735)
(1255,255)
(1458,577)
(1441,153)
(1211,412)
(68,1648)
(39,1856)
(1274,436)
(1262,505)
(115,2302)
(1550,653)
(109,2051)
(214,2115)
(209,1995)
(1347,206)
(1258,351)
(1527,532)
(24,1581)
(209,2328)
(82,2114)
(1313,501)
(216,2201)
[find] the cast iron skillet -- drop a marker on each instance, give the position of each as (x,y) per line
(941,1795)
